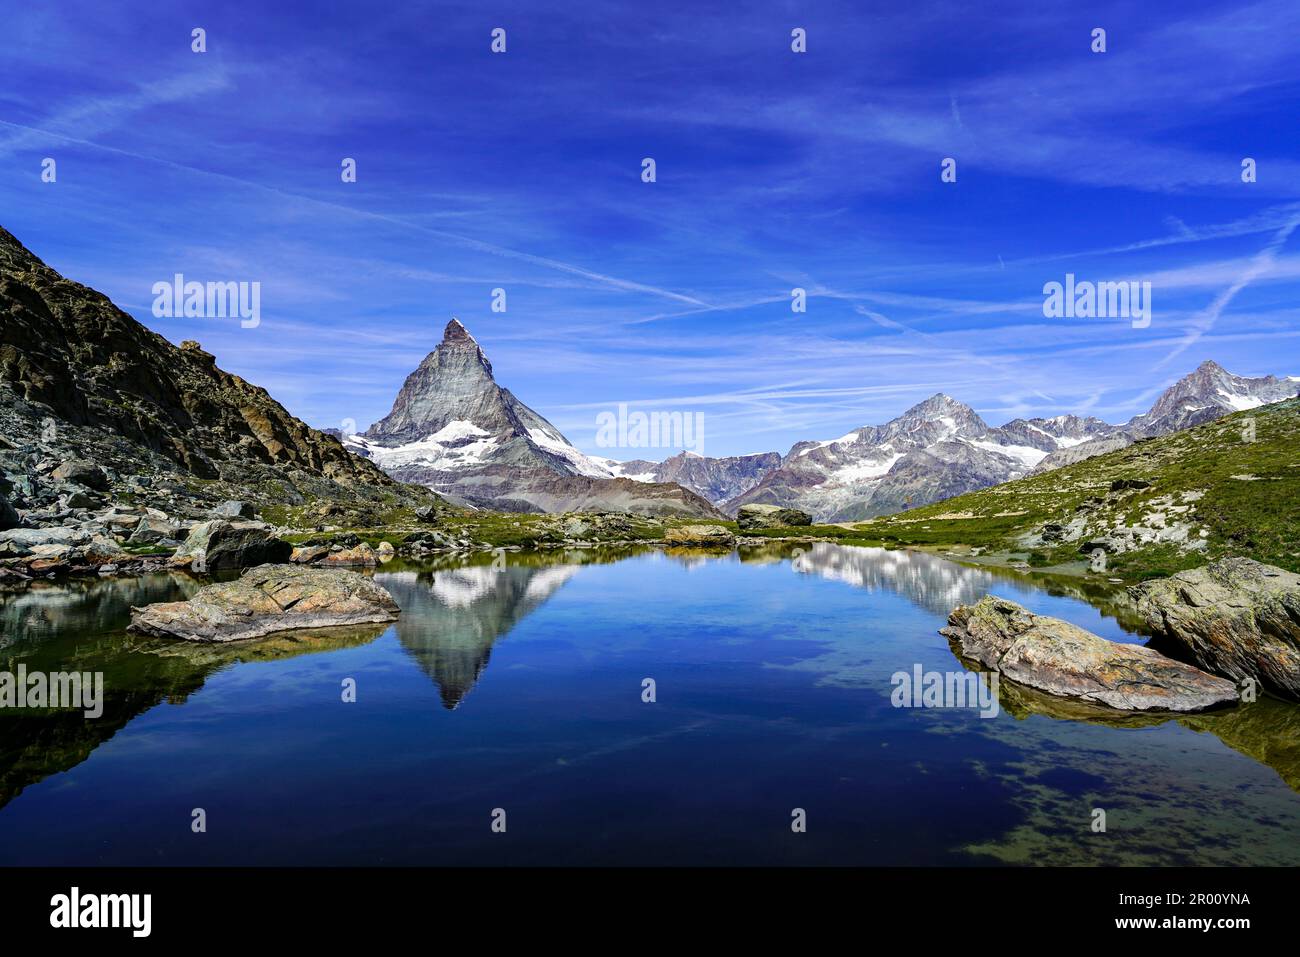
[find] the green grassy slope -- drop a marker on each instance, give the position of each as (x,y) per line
(1212,492)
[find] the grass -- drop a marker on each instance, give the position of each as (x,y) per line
(1241,497)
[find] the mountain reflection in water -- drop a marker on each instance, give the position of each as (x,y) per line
(747,625)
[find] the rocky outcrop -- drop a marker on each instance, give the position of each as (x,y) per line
(1058,658)
(770,516)
(93,403)
(1235,617)
(268,599)
(219,544)
(713,536)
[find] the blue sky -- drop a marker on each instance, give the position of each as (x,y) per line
(775,169)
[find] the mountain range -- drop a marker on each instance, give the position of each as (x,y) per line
(454,429)
(80,379)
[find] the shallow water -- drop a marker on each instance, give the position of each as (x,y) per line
(520,689)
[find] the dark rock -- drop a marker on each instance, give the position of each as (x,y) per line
(83,473)
(8,517)
(220,544)
(1130,484)
(80,498)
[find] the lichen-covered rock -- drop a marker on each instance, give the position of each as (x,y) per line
(304,554)
(358,555)
(1059,658)
(770,516)
(715,535)
(268,599)
(1236,617)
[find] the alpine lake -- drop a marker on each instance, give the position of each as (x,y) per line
(604,706)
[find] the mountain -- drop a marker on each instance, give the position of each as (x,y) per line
(1225,487)
(716,479)
(1205,394)
(82,380)
(934,450)
(454,429)
(941,448)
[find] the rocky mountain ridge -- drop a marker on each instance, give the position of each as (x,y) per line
(454,429)
(95,408)
(941,447)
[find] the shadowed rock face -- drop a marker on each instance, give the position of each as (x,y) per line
(79,378)
(1235,617)
(267,599)
(1053,656)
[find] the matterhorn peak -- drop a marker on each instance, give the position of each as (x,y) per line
(456,331)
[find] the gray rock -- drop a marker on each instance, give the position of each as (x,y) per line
(83,473)
(52,535)
(1058,658)
(1236,617)
(233,509)
(151,531)
(220,544)
(268,599)
(80,498)
(770,516)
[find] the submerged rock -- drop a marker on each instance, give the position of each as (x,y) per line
(770,516)
(1056,657)
(1235,617)
(267,599)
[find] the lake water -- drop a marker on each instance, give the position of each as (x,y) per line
(520,689)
